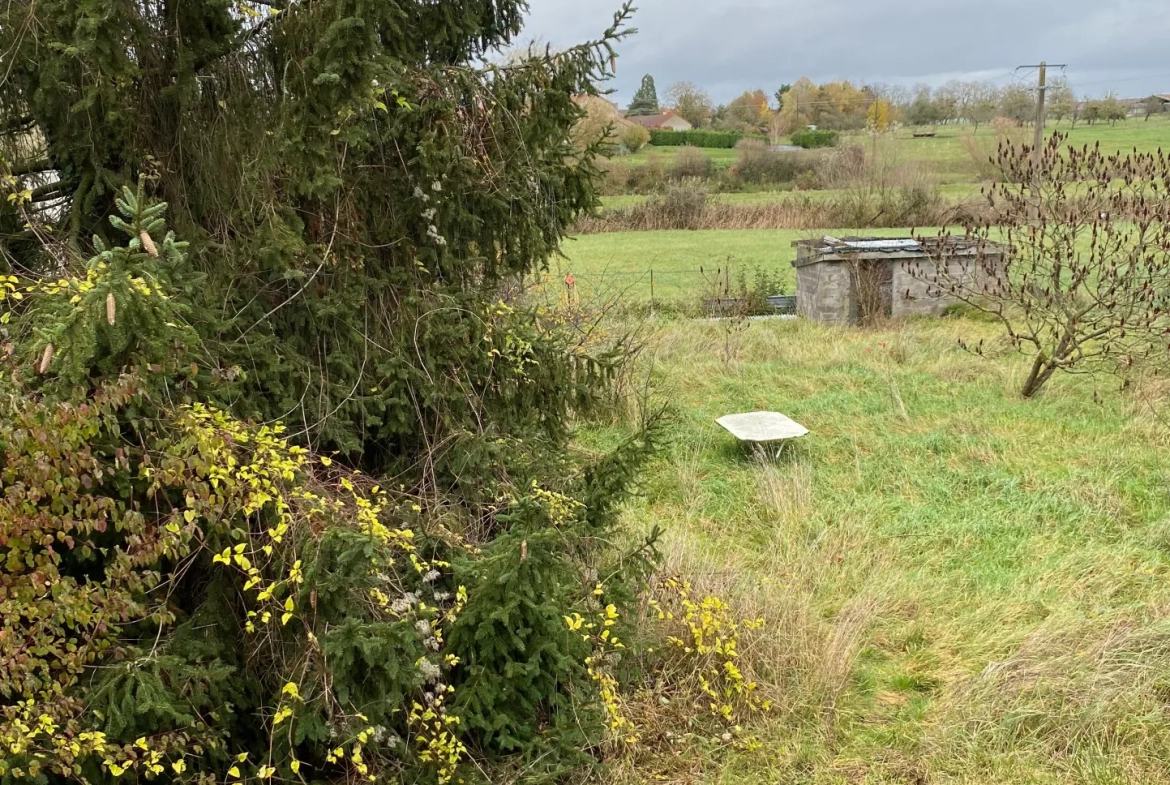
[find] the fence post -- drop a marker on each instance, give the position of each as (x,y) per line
(651,291)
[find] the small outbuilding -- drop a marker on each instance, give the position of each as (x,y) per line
(857,279)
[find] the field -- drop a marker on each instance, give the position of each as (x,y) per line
(946,156)
(958,586)
(722,158)
(618,264)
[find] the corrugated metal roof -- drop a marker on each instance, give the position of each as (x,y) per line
(881,245)
(828,245)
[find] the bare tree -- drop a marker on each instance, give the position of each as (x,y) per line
(1085,284)
(690,103)
(1018,103)
(1062,101)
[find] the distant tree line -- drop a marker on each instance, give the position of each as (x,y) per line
(844,106)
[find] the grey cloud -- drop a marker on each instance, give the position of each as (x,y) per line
(728,47)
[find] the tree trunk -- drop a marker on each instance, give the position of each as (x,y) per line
(1042,371)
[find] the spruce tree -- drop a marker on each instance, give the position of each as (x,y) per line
(645,101)
(356,184)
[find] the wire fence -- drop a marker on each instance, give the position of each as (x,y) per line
(657,287)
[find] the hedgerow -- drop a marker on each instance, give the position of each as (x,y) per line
(696,138)
(811,140)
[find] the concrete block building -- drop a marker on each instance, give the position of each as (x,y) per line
(854,280)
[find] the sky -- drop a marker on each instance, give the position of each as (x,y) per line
(728,46)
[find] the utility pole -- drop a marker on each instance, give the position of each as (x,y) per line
(1038,138)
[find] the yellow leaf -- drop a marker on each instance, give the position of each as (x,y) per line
(326,461)
(189,516)
(295,766)
(234,771)
(284,617)
(179,766)
(288,604)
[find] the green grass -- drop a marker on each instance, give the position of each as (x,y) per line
(619,263)
(723,158)
(959,586)
(945,154)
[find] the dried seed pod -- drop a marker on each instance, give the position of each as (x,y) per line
(46,359)
(148,243)
(111,308)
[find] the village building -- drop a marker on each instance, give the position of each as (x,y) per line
(667,121)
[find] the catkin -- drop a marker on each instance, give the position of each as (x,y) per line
(111,308)
(46,359)
(148,243)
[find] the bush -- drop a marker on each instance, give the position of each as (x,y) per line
(807,181)
(649,177)
(810,139)
(615,178)
(189,593)
(634,138)
(758,165)
(681,206)
(691,162)
(983,149)
(725,140)
(843,167)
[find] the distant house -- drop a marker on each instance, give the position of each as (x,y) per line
(661,122)
(1164,99)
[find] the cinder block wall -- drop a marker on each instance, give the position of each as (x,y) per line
(824,290)
(824,293)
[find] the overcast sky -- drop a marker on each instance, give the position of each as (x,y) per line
(728,46)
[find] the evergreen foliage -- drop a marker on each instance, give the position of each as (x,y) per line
(194,594)
(645,100)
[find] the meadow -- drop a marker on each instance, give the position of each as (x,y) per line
(958,586)
(946,155)
(618,264)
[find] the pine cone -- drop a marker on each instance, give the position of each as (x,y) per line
(111,309)
(147,244)
(46,359)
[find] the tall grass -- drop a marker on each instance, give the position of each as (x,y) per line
(688,206)
(958,586)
